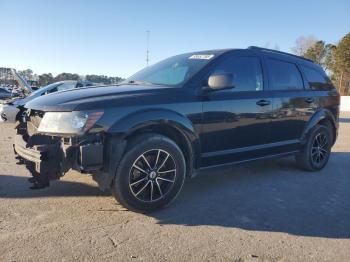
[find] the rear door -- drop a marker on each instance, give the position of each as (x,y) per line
(322,88)
(293,105)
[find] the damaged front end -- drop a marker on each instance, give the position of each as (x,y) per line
(48,157)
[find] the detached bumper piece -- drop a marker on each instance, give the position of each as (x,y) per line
(43,161)
(49,158)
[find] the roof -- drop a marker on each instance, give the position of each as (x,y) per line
(267,50)
(257,49)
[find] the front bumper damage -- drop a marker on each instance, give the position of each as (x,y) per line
(40,158)
(50,157)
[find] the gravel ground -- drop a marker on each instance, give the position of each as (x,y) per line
(266,211)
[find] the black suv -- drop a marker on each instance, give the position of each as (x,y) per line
(172,120)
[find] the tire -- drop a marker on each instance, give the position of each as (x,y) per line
(315,154)
(151,173)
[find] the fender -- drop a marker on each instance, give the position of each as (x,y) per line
(316,118)
(141,119)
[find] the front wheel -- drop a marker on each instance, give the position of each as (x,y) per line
(151,173)
(316,151)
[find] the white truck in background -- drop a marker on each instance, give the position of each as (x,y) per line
(345,103)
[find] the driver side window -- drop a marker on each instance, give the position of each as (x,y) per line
(246,71)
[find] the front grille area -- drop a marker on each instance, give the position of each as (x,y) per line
(33,121)
(28,126)
(32,129)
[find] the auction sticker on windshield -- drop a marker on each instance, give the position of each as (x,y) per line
(205,57)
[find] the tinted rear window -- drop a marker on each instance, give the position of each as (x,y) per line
(284,75)
(317,80)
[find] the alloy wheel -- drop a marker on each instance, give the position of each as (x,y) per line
(152,175)
(319,149)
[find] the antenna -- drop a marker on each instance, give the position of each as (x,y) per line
(147,50)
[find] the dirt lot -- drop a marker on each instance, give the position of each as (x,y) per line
(267,211)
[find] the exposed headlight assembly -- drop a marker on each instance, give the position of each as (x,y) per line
(76,122)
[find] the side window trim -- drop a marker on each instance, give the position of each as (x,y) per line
(307,86)
(265,71)
(303,79)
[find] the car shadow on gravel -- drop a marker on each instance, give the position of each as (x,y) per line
(18,187)
(272,196)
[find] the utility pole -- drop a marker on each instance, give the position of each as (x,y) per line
(147,50)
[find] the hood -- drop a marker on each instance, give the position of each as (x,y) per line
(21,81)
(91,98)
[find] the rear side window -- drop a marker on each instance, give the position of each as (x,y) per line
(246,71)
(316,79)
(284,75)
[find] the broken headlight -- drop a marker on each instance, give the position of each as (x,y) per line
(76,122)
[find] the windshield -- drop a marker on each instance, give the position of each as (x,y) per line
(172,71)
(45,88)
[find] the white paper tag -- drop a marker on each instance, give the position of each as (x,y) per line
(205,57)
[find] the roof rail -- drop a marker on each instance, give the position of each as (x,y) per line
(279,52)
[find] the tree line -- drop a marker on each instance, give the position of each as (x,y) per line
(45,79)
(334,58)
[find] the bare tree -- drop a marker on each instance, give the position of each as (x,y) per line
(303,43)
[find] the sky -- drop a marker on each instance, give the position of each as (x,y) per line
(109,37)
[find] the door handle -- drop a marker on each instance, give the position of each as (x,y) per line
(309,100)
(263,103)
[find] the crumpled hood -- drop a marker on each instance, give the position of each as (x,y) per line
(92,98)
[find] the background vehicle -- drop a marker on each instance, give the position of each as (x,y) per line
(10,109)
(4,94)
(183,115)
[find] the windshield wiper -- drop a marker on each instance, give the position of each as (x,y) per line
(138,82)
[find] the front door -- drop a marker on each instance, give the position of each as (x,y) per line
(236,122)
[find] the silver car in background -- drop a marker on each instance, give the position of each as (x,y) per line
(10,108)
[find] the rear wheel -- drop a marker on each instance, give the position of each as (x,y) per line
(316,152)
(151,173)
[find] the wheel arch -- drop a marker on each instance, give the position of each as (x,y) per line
(165,122)
(321,117)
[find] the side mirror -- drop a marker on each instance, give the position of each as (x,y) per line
(220,81)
